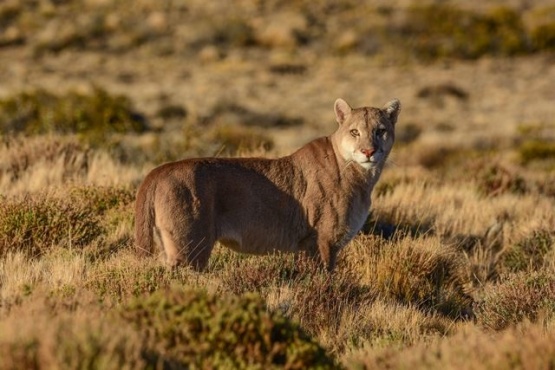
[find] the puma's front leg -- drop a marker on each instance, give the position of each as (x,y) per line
(328,254)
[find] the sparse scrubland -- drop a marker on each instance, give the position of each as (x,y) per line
(454,269)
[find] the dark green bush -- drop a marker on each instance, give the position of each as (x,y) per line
(94,117)
(536,150)
(233,32)
(543,37)
(187,328)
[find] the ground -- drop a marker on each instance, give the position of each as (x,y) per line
(455,267)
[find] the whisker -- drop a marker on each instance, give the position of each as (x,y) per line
(390,163)
(196,250)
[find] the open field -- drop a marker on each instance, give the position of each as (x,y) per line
(454,269)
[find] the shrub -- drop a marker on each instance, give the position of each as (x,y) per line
(542,33)
(70,343)
(94,117)
(102,199)
(192,328)
(495,179)
(172,111)
(34,224)
(311,296)
(520,296)
(407,134)
(529,253)
(233,32)
(543,37)
(439,30)
(536,150)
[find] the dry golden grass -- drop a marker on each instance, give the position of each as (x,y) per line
(527,346)
(440,282)
(455,267)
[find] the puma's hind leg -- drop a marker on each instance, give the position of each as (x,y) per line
(184,239)
(191,247)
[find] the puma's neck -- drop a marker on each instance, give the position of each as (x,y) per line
(320,160)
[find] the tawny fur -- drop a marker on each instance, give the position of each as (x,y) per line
(314,200)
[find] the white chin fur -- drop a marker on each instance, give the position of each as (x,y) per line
(365,165)
(362,160)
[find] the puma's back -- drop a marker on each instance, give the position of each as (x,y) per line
(313,200)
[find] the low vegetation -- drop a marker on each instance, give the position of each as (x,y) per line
(454,269)
(190,328)
(93,116)
(419,280)
(426,32)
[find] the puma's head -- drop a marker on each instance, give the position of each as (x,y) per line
(365,135)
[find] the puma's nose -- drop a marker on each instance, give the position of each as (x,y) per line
(368,152)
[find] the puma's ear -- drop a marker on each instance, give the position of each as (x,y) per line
(342,110)
(393,108)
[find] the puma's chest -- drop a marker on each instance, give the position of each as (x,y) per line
(357,216)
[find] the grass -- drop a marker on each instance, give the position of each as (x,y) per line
(525,346)
(95,117)
(67,254)
(426,32)
(455,267)
(191,328)
(34,224)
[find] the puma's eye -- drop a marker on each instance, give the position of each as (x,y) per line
(380,132)
(354,133)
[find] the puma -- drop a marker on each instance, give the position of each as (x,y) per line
(314,200)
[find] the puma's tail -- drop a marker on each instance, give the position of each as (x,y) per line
(144,219)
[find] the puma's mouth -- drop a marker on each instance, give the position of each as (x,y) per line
(367,164)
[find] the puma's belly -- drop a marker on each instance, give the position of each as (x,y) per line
(260,226)
(259,240)
(259,247)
